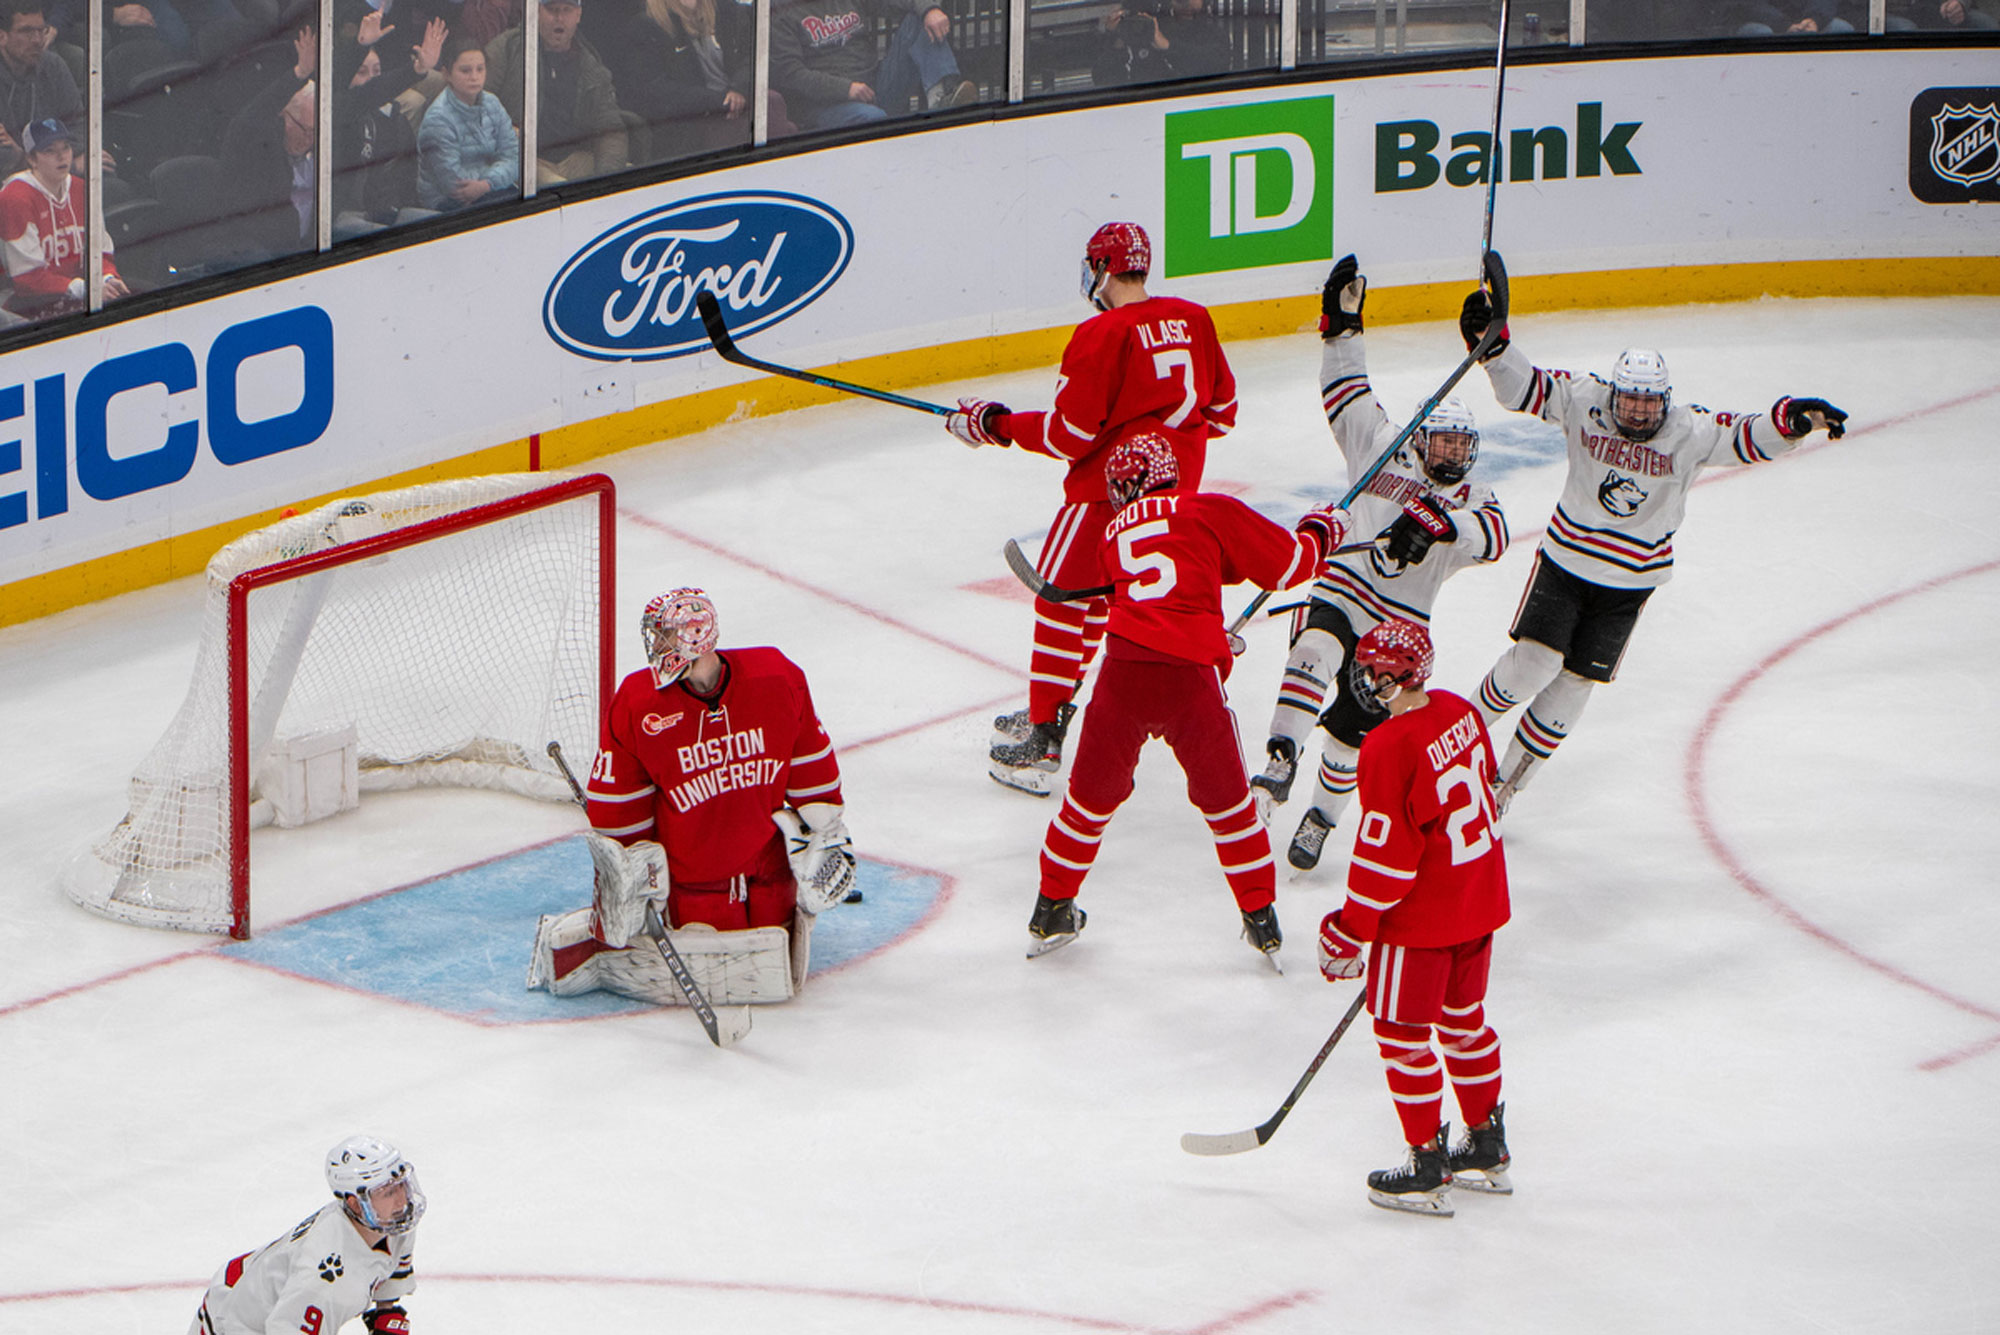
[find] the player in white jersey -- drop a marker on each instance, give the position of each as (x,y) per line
(1633,454)
(1433,521)
(351,1259)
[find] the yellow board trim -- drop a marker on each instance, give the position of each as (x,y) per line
(970,360)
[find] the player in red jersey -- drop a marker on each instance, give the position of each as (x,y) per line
(1426,889)
(1145,364)
(707,760)
(1168,551)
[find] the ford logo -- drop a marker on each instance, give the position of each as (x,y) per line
(629,295)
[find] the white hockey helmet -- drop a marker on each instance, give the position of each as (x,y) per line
(1448,442)
(366,1173)
(676,629)
(1640,393)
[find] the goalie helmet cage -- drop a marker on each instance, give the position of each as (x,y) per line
(443,634)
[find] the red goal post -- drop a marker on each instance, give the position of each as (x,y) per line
(436,635)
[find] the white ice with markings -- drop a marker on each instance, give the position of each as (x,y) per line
(1748,1001)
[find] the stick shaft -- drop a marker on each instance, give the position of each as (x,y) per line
(725,347)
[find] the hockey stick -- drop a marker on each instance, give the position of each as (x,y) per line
(1496,278)
(1493,142)
(722,1030)
(1236,1142)
(725,347)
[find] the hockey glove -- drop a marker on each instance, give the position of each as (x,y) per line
(1424,520)
(821,855)
(1473,317)
(1330,524)
(1340,300)
(977,422)
(1340,955)
(389,1320)
(1796,417)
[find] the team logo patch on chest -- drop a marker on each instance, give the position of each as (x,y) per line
(655,724)
(1620,495)
(330,1267)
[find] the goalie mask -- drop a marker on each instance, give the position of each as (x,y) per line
(1140,464)
(1390,659)
(375,1184)
(1115,248)
(676,629)
(1640,393)
(1448,442)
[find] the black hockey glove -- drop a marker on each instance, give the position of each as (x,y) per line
(1473,317)
(389,1320)
(1340,300)
(1795,417)
(1424,521)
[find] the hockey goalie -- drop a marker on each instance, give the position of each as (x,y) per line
(716,817)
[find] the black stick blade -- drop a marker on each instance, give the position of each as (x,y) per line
(711,321)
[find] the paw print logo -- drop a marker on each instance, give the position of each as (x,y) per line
(330,1268)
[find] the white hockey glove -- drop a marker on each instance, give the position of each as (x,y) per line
(622,881)
(821,853)
(977,422)
(1340,955)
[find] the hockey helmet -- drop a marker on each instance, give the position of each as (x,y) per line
(676,629)
(1640,393)
(375,1184)
(1115,248)
(1140,464)
(1448,442)
(1392,658)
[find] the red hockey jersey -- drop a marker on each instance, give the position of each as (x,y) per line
(1153,365)
(1168,555)
(1427,869)
(703,778)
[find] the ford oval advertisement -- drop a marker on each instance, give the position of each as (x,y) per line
(629,295)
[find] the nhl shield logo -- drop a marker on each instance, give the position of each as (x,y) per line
(1965,143)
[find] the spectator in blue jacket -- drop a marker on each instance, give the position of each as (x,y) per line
(468,152)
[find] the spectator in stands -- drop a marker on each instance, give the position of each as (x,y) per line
(483,20)
(1763,18)
(374,144)
(684,66)
(43,213)
(1178,40)
(140,20)
(823,60)
(468,152)
(268,154)
(579,131)
(33,85)
(1937,16)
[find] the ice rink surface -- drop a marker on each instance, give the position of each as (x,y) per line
(1748,1000)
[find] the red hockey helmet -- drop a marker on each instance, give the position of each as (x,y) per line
(676,629)
(1390,659)
(1140,464)
(1115,248)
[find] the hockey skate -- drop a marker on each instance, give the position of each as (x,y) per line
(1015,727)
(1310,841)
(1421,1186)
(1480,1161)
(1054,925)
(1273,788)
(1033,764)
(1261,926)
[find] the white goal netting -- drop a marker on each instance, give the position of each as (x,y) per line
(439,634)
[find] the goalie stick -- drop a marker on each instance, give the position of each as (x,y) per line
(1236,1142)
(725,347)
(1024,570)
(723,1029)
(1496,281)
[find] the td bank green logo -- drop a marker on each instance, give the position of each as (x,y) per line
(1249,186)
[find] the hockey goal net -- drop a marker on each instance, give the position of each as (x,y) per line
(442,634)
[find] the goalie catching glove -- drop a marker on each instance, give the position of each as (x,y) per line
(1796,417)
(1340,300)
(1340,955)
(977,422)
(821,854)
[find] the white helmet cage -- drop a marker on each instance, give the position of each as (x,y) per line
(676,629)
(1448,442)
(1640,393)
(359,1169)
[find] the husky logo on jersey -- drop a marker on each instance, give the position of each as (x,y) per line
(629,294)
(1620,495)
(330,1268)
(1955,145)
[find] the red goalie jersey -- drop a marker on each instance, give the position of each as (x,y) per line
(1427,869)
(702,777)
(1152,365)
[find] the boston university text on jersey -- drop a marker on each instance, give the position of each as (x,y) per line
(722,765)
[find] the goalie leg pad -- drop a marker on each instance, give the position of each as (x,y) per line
(559,934)
(730,968)
(622,880)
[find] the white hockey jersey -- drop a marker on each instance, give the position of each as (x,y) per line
(1368,586)
(1623,499)
(314,1280)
